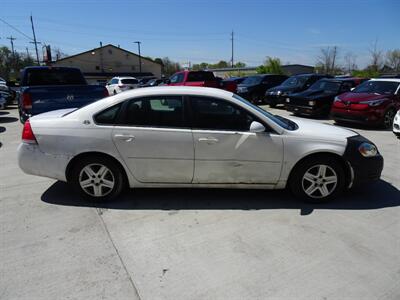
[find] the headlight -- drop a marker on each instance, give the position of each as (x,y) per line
(287,100)
(242,89)
(311,103)
(368,150)
(373,102)
(279,92)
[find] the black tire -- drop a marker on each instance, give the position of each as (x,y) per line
(114,174)
(388,118)
(115,92)
(272,103)
(298,183)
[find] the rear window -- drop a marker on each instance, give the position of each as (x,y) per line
(200,76)
(129,81)
(54,77)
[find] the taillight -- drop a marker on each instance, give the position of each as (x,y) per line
(27,134)
(105,93)
(26,101)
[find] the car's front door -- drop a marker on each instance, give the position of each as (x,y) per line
(154,141)
(226,151)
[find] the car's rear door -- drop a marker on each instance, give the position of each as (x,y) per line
(154,140)
(226,151)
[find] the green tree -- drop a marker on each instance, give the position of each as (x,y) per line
(11,64)
(271,65)
(170,67)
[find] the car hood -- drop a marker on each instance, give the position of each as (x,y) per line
(247,85)
(357,97)
(284,89)
(320,131)
(314,94)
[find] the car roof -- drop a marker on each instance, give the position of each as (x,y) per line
(387,79)
(124,77)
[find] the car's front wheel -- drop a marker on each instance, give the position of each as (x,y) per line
(97,178)
(317,179)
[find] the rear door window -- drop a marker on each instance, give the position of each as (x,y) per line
(54,76)
(155,111)
(108,116)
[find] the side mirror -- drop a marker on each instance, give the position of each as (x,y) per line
(256,127)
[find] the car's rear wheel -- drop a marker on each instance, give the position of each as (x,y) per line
(97,178)
(272,103)
(388,118)
(317,179)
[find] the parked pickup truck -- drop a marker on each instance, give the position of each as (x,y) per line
(200,78)
(50,88)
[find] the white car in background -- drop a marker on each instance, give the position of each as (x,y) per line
(120,84)
(192,137)
(396,124)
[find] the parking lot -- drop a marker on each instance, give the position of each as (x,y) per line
(197,244)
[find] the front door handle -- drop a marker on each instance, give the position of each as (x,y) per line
(208,140)
(125,137)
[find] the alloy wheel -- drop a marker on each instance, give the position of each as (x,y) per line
(388,118)
(96,180)
(319,181)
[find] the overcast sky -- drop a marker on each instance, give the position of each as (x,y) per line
(199,30)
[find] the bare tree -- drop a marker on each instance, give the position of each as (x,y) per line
(350,62)
(393,59)
(58,54)
(376,56)
(327,60)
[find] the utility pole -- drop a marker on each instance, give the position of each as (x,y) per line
(140,57)
(232,38)
(101,57)
(35,42)
(27,53)
(12,39)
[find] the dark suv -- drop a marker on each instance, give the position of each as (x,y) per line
(253,87)
(293,84)
(317,100)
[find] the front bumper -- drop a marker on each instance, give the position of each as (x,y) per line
(371,117)
(33,161)
(365,169)
(305,110)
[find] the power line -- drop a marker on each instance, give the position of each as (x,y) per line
(16,29)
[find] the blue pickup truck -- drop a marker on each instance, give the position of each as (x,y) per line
(49,88)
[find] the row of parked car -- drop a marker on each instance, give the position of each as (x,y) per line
(346,99)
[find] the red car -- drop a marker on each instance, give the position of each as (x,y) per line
(373,102)
(200,78)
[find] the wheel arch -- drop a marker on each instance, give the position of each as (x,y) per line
(345,165)
(83,155)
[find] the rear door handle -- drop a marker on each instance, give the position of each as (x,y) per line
(208,140)
(125,137)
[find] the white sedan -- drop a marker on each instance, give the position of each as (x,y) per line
(192,137)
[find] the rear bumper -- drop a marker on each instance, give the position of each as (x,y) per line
(33,161)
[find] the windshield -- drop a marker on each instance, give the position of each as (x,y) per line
(294,81)
(329,86)
(281,121)
(377,87)
(252,80)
